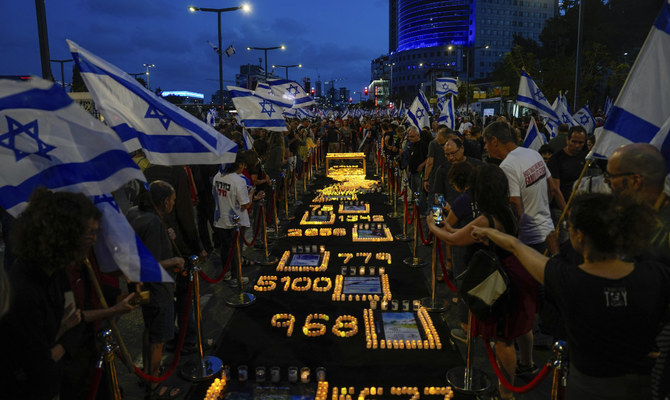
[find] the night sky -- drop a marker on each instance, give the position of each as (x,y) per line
(333,39)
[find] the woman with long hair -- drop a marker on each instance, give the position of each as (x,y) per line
(613,305)
(490,194)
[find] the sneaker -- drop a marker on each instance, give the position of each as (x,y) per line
(526,369)
(227,276)
(235,283)
(460,335)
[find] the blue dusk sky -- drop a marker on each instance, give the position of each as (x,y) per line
(335,40)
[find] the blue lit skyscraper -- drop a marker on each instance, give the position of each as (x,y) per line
(431,38)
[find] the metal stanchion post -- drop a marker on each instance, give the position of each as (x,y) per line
(305,175)
(432,303)
(404,237)
(395,213)
(276,235)
(206,366)
(106,360)
(389,183)
(242,298)
(415,261)
(560,366)
(296,202)
(266,260)
(468,379)
(286,216)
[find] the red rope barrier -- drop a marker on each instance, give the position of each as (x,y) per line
(180,344)
(423,239)
(257,229)
(444,269)
(408,218)
(516,389)
(225,268)
(95,384)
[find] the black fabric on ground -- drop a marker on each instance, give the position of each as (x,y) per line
(249,339)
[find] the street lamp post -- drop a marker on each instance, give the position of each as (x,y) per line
(286,67)
(218,12)
(468,49)
(265,50)
(147,66)
(62,73)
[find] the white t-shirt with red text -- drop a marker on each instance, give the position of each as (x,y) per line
(230,193)
(527,176)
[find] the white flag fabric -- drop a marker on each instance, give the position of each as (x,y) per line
(119,247)
(584,118)
(418,114)
(445,86)
(643,105)
(167,134)
(211,117)
(608,106)
(424,101)
(48,140)
(447,114)
(291,91)
(534,138)
(345,114)
(256,111)
(291,112)
(562,111)
(305,113)
(531,96)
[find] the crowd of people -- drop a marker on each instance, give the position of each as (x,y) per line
(605,288)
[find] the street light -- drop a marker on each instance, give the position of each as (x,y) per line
(265,49)
(147,73)
(286,67)
(467,66)
(245,8)
(62,73)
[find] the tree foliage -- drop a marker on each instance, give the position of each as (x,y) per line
(611,29)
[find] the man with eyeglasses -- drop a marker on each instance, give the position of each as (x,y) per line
(638,171)
(566,164)
(455,153)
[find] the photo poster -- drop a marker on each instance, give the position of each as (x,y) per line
(400,326)
(357,207)
(371,233)
(305,260)
(362,285)
(318,218)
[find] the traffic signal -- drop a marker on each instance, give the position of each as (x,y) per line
(365,91)
(312,91)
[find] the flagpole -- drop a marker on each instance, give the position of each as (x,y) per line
(112,324)
(578,58)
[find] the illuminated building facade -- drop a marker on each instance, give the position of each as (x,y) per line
(421,31)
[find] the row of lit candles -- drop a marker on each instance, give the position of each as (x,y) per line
(284,320)
(215,389)
(267,283)
(345,326)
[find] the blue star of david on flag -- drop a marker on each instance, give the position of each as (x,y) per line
(153,112)
(265,110)
(445,86)
(419,113)
(538,95)
(31,130)
(106,198)
(292,90)
(584,119)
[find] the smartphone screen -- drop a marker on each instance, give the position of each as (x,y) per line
(439,199)
(437,215)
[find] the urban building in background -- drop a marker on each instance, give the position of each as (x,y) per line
(464,38)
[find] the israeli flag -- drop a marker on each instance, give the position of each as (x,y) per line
(534,138)
(291,112)
(418,114)
(256,111)
(447,114)
(562,111)
(211,117)
(445,86)
(290,91)
(401,110)
(48,140)
(119,248)
(531,96)
(643,105)
(167,134)
(424,101)
(305,113)
(608,106)
(584,118)
(345,114)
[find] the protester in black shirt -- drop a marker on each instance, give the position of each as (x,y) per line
(566,164)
